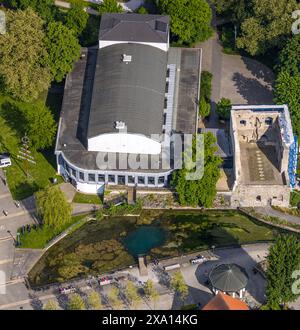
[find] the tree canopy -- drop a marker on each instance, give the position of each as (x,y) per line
(63,49)
(190,20)
(199,192)
(23,72)
(287,91)
(223,108)
(53,207)
(76,302)
(268,25)
(76,18)
(110,6)
(283,260)
(289,57)
(178,285)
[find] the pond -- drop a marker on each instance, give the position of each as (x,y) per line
(143,239)
(114,243)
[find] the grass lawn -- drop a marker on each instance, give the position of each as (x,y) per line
(86,198)
(40,174)
(97,246)
(37,239)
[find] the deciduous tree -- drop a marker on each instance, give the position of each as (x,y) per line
(51,305)
(94,300)
(110,6)
(76,302)
(190,20)
(268,26)
(203,190)
(52,207)
(76,18)
(22,52)
(224,108)
(283,260)
(179,286)
(63,49)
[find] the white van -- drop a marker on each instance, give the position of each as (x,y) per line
(4,160)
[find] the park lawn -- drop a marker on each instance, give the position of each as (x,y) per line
(37,239)
(86,198)
(39,174)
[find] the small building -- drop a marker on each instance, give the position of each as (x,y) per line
(225,302)
(229,279)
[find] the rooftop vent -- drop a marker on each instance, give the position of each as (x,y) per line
(119,125)
(126,58)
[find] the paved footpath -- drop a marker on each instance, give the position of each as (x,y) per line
(275,213)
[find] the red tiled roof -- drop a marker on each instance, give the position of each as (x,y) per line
(225,302)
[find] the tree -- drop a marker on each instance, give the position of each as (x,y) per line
(22,54)
(53,207)
(283,260)
(45,8)
(289,57)
(51,305)
(114,298)
(179,286)
(76,18)
(150,291)
(268,26)
(132,294)
(205,90)
(39,125)
(94,300)
(287,91)
(204,108)
(76,302)
(223,108)
(190,20)
(110,6)
(63,49)
(142,11)
(202,191)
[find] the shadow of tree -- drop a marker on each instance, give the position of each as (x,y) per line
(252,90)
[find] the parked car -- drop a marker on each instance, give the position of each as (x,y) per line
(5,160)
(105,280)
(67,289)
(198,260)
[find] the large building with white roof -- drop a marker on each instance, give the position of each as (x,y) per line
(122,103)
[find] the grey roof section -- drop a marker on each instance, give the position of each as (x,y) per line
(223,141)
(228,278)
(133,93)
(134,28)
(188,62)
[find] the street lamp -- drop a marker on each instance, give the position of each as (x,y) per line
(9,232)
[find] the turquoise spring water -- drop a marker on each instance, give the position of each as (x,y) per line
(143,239)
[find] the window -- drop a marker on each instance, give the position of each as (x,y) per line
(111,178)
(131,179)
(161,180)
(151,180)
(269,121)
(121,179)
(141,180)
(73,172)
(92,177)
(81,176)
(101,178)
(243,122)
(258,198)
